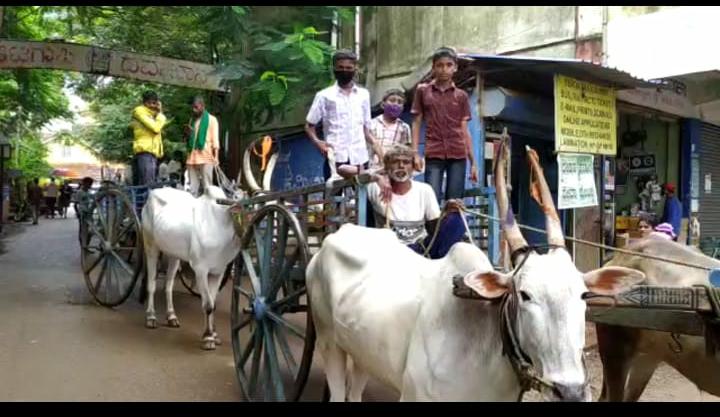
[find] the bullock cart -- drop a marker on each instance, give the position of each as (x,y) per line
(111,251)
(691,311)
(272,332)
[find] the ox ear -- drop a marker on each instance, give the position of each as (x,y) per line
(487,284)
(611,280)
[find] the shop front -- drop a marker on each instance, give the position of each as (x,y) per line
(566,111)
(653,151)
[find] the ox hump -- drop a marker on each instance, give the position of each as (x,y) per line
(356,244)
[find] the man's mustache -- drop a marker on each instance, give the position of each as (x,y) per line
(400,175)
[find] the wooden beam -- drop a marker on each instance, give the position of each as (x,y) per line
(96,60)
(692,299)
(673,321)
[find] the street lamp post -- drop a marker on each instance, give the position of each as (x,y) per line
(5,150)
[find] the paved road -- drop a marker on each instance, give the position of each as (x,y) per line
(57,345)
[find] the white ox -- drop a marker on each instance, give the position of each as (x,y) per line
(631,355)
(394,314)
(196,230)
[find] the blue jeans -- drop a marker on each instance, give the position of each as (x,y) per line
(146,168)
(455,169)
(452,230)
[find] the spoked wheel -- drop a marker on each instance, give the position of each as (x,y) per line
(187,277)
(273,336)
(111,248)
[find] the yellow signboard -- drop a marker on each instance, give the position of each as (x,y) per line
(585,117)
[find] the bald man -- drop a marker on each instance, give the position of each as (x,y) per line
(203,145)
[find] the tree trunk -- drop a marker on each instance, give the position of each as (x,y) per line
(2,19)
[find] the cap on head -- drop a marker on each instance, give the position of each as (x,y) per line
(670,187)
(666,228)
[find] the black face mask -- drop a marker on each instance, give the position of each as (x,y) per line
(344,77)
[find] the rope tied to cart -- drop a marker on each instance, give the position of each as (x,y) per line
(597,245)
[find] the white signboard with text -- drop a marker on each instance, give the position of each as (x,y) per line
(576,177)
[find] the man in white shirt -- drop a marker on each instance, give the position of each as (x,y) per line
(344,109)
(413,210)
(51,195)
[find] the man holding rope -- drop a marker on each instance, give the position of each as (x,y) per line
(413,211)
(203,145)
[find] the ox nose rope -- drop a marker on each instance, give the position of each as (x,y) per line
(522,365)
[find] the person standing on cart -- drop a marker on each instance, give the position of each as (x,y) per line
(387,128)
(446,112)
(147,123)
(203,146)
(344,109)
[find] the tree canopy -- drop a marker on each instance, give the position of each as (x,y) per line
(272,56)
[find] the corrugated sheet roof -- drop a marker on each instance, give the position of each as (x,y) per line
(701,87)
(500,66)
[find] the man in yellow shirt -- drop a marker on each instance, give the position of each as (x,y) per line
(147,123)
(203,146)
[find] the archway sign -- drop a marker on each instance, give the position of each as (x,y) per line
(102,61)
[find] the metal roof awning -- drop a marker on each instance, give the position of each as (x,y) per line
(536,75)
(701,87)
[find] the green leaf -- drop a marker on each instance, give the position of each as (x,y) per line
(267,75)
(274,47)
(310,31)
(313,53)
(239,10)
(276,94)
(295,56)
(294,38)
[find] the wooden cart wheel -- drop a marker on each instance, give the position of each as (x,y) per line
(187,277)
(273,336)
(111,248)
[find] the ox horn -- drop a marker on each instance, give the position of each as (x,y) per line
(541,194)
(247,170)
(507,218)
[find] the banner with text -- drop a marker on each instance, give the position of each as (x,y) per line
(585,117)
(576,181)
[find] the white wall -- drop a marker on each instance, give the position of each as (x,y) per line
(670,42)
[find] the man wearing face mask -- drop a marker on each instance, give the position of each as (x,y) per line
(413,211)
(344,109)
(387,128)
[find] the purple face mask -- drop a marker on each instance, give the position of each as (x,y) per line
(392,110)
